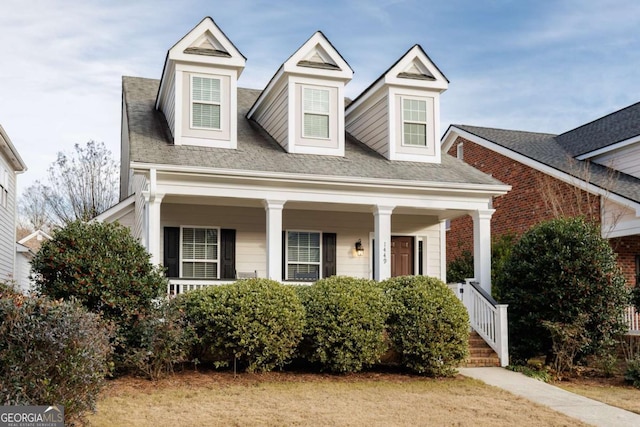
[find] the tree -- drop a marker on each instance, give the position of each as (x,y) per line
(105,269)
(562,272)
(80,186)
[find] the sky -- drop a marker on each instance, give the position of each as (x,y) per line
(543,66)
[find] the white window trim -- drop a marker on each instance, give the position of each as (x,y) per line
(460,151)
(217,260)
(192,101)
(304,111)
(286,259)
(425,123)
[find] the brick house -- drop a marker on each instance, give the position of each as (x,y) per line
(593,170)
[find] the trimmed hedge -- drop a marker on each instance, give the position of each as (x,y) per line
(51,352)
(427,324)
(256,323)
(345,323)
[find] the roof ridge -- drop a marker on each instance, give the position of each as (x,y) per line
(600,118)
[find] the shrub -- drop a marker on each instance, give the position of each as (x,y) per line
(345,323)
(632,374)
(568,340)
(257,323)
(105,269)
(51,352)
(427,324)
(460,268)
(558,271)
(162,341)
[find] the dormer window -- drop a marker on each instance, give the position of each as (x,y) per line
(316,113)
(205,102)
(414,122)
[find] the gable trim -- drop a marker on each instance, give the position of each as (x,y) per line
(609,148)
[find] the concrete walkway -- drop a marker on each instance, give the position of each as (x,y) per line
(588,410)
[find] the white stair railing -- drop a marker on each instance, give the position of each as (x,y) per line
(487,317)
(632,319)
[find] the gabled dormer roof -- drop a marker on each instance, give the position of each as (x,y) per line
(205,44)
(317,57)
(414,69)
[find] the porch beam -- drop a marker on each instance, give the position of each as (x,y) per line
(273,210)
(382,235)
(482,247)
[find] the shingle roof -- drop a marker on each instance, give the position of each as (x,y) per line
(151,142)
(546,149)
(610,129)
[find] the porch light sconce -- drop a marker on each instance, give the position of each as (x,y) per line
(359,248)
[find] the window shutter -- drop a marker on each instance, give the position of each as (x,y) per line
(228,254)
(172,251)
(284,255)
(420,267)
(329,263)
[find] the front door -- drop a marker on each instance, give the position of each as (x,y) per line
(401,256)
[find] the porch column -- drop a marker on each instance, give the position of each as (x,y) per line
(274,238)
(154,230)
(482,247)
(382,235)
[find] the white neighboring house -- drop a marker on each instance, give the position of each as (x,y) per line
(286,182)
(11,164)
(26,248)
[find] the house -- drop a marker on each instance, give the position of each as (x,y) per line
(593,170)
(11,164)
(292,182)
(26,248)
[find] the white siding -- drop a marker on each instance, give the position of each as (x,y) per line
(137,228)
(625,160)
(273,116)
(23,269)
(168,100)
(372,127)
(7,223)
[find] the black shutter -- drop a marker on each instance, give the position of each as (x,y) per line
(373,259)
(227,254)
(420,271)
(172,251)
(284,255)
(329,254)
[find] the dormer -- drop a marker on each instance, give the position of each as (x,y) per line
(302,107)
(198,89)
(399,114)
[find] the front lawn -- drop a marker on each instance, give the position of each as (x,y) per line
(612,391)
(286,399)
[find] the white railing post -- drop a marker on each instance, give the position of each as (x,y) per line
(502,334)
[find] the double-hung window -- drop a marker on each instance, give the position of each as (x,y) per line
(205,102)
(316,113)
(303,255)
(200,252)
(414,122)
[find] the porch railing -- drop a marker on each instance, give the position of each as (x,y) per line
(632,319)
(487,317)
(178,286)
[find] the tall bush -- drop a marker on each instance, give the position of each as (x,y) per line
(105,269)
(51,352)
(558,271)
(254,323)
(345,323)
(427,324)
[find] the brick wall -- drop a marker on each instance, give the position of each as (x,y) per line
(534,197)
